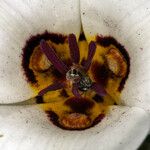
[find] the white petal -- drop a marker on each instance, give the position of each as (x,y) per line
(28,128)
(19,20)
(129,23)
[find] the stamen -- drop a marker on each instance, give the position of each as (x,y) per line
(91,52)
(75,90)
(53,58)
(53,87)
(99,89)
(74,49)
(80,81)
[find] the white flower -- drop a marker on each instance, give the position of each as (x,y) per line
(26,127)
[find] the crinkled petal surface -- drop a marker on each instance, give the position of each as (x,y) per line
(28,128)
(128,22)
(18,22)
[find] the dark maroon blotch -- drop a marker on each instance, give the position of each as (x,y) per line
(53,117)
(39,99)
(115,103)
(79,105)
(82,37)
(100,73)
(64,93)
(27,52)
(98,98)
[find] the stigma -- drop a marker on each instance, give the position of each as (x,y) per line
(77,75)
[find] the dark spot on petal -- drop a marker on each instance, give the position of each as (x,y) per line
(82,37)
(115,103)
(98,98)
(100,73)
(53,117)
(107,41)
(79,105)
(39,100)
(141,48)
(64,93)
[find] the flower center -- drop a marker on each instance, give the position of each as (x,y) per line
(75,81)
(76,75)
(79,79)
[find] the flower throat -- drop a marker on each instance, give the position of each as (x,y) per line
(75,82)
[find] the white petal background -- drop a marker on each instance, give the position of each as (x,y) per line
(27,127)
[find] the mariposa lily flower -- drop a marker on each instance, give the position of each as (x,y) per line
(74,74)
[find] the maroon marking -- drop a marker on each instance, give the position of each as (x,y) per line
(53,117)
(30,44)
(98,99)
(82,37)
(74,49)
(79,105)
(91,53)
(53,58)
(52,87)
(115,103)
(27,52)
(39,99)
(64,93)
(107,41)
(100,73)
